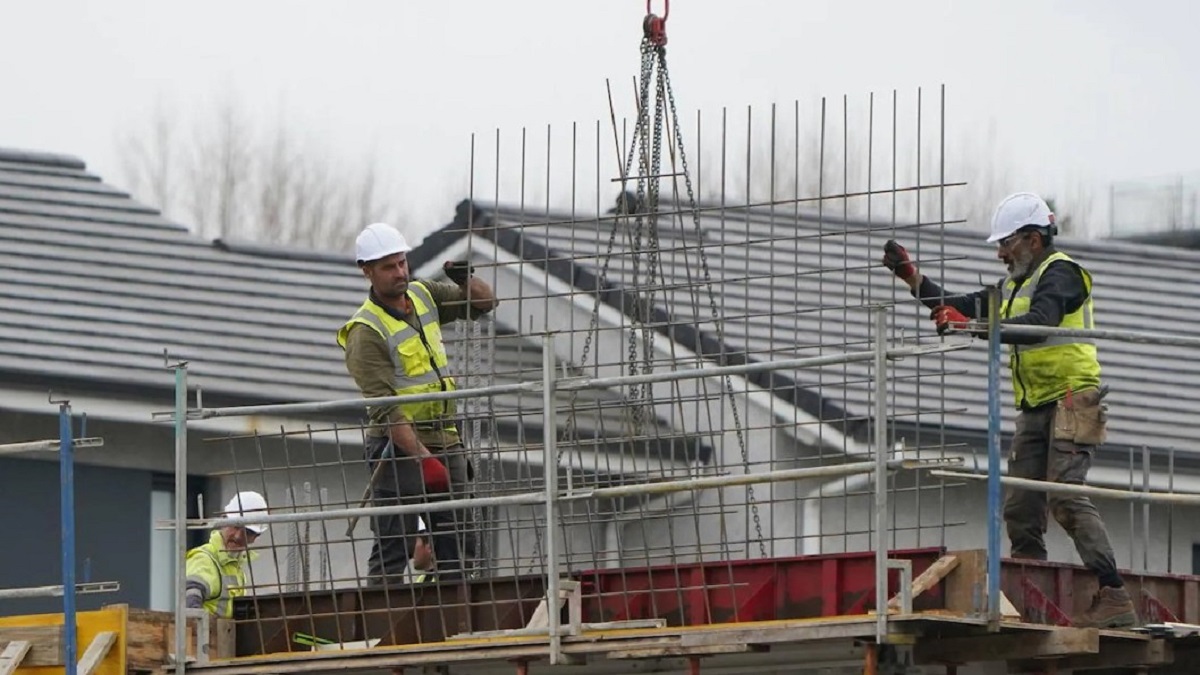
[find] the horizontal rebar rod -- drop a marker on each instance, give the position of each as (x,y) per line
(42,446)
(57,591)
(569,384)
(530,498)
(1085,490)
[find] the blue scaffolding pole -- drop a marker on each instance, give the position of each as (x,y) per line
(66,471)
(993,480)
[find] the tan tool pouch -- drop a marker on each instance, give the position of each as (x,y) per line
(1082,418)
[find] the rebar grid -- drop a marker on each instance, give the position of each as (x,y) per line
(716,326)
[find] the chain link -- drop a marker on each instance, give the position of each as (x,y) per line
(712,300)
(644,211)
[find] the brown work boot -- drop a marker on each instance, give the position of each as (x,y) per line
(1111,608)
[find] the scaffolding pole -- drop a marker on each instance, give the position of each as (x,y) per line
(57,591)
(568,383)
(879,314)
(993,448)
(45,446)
(66,468)
(539,498)
(181,517)
(550,469)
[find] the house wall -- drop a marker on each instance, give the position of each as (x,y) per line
(112,533)
(1167,544)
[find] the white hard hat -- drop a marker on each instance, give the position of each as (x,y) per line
(379,240)
(245,503)
(1022,209)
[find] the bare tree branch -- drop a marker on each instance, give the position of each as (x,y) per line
(231,178)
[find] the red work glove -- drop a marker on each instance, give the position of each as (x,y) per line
(896,259)
(945,317)
(435,475)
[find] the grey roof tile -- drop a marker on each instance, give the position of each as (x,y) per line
(800,286)
(93,287)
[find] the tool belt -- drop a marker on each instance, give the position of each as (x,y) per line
(1082,417)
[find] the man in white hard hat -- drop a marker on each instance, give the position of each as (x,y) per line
(216,571)
(1059,396)
(393,346)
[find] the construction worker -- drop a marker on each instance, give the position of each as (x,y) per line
(393,346)
(1061,416)
(216,571)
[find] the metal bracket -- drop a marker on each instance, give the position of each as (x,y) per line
(167,361)
(1154,611)
(203,637)
(1039,608)
(905,567)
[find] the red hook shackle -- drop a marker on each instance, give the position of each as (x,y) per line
(654,26)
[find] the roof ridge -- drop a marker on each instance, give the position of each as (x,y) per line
(43,158)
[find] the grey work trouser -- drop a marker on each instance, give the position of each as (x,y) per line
(1038,455)
(395,535)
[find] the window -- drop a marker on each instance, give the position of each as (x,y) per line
(162,551)
(163,590)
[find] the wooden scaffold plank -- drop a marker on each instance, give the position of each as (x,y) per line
(13,655)
(96,651)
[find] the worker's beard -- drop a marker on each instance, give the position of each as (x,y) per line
(1022,264)
(393,292)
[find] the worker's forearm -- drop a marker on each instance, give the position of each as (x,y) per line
(480,295)
(931,294)
(196,593)
(404,437)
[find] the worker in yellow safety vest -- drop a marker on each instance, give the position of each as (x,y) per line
(393,347)
(1061,414)
(216,571)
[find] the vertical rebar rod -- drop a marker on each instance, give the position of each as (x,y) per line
(1171,512)
(881,510)
(1132,515)
(66,470)
(993,482)
(550,470)
(180,517)
(1146,509)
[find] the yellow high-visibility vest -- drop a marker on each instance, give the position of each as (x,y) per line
(1046,371)
(222,574)
(418,356)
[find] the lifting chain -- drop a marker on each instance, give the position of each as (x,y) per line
(644,212)
(706,270)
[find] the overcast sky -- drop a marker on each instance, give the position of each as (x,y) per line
(1077,92)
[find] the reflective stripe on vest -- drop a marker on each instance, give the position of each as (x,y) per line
(417,356)
(1045,371)
(231,585)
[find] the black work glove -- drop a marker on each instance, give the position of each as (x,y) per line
(458,271)
(896,259)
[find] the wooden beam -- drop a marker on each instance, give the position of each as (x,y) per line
(965,587)
(676,651)
(1009,646)
(45,643)
(96,652)
(929,578)
(1122,655)
(12,656)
